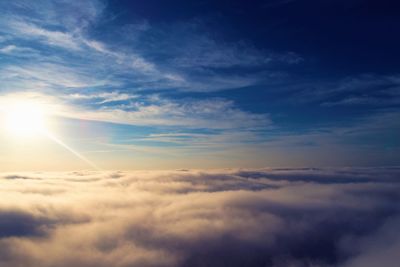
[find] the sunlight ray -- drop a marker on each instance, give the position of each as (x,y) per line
(77,154)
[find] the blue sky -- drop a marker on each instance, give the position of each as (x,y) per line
(199,84)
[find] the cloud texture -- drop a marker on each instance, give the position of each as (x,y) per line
(270,217)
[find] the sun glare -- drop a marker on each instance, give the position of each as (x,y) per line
(24,119)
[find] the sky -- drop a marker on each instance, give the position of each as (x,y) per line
(202,84)
(199,133)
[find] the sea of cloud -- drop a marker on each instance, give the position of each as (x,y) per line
(270,217)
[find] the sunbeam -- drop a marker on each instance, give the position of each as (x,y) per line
(77,154)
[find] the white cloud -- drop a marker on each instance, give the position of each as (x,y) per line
(67,25)
(55,38)
(103,97)
(272,217)
(152,111)
(214,114)
(50,75)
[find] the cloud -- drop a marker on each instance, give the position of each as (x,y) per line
(102,98)
(210,113)
(67,34)
(379,248)
(69,15)
(151,110)
(17,224)
(56,38)
(72,52)
(60,30)
(16,51)
(19,177)
(368,90)
(49,75)
(205,62)
(202,51)
(264,217)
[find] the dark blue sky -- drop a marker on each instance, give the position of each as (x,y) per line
(343,37)
(249,83)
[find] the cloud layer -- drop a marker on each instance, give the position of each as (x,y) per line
(269,217)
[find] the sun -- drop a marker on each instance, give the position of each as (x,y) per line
(24,119)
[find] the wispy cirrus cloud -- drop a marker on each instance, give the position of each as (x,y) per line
(150,110)
(50,75)
(132,62)
(212,114)
(365,89)
(102,98)
(70,32)
(52,38)
(79,69)
(16,50)
(180,77)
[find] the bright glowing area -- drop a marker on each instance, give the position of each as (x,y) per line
(24,119)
